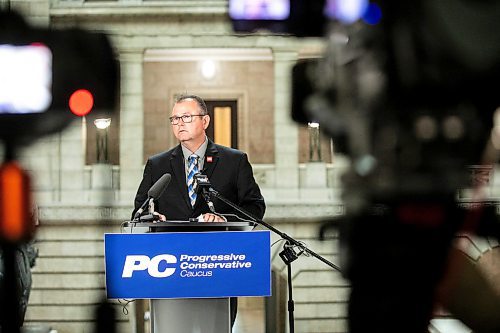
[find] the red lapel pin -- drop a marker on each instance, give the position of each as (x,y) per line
(209,159)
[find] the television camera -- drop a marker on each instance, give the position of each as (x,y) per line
(408,90)
(48,77)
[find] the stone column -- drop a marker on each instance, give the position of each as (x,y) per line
(286,131)
(72,162)
(131,123)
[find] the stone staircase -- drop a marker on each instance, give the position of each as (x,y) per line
(68,278)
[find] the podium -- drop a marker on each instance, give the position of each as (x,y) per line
(188,270)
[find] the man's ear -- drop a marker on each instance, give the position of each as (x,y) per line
(206,121)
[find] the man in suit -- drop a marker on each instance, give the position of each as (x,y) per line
(228,170)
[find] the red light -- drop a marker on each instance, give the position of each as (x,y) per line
(81,102)
(15,202)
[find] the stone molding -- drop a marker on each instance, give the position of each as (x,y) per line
(96,214)
(63,8)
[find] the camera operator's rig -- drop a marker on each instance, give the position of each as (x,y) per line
(47,79)
(411,99)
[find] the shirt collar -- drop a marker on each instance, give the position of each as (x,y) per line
(200,152)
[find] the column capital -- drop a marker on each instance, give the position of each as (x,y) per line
(285,55)
(131,54)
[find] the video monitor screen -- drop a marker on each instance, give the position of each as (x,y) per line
(259,9)
(25,79)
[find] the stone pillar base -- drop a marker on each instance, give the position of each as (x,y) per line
(315,175)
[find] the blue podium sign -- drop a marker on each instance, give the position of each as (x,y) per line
(188,264)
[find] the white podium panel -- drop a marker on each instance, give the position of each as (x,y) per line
(210,315)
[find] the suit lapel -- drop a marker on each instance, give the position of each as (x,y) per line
(211,159)
(178,169)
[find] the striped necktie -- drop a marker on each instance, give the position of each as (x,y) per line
(192,170)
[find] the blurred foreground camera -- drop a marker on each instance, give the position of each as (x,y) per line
(43,71)
(47,78)
(412,99)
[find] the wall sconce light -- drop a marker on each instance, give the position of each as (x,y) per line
(102,125)
(314,142)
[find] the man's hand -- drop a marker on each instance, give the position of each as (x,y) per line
(160,216)
(209,217)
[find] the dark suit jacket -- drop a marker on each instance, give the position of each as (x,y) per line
(229,172)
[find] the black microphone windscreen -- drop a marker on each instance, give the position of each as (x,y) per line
(201,181)
(159,187)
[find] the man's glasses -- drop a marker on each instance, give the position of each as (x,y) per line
(187,118)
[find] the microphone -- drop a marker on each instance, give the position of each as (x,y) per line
(201,183)
(154,193)
(159,187)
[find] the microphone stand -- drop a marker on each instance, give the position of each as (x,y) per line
(288,255)
(150,217)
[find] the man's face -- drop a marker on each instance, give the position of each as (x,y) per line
(193,132)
